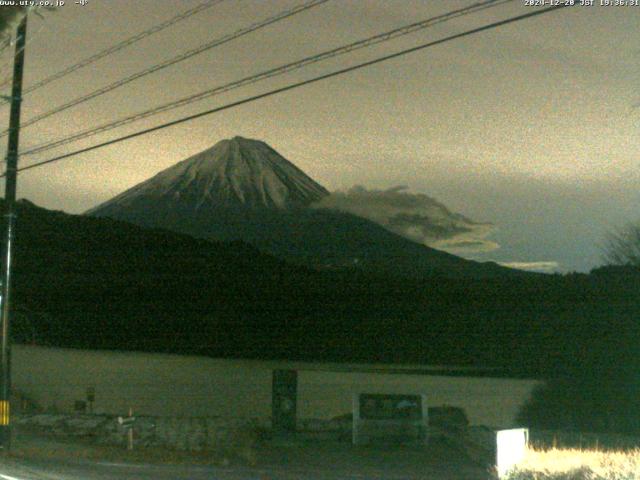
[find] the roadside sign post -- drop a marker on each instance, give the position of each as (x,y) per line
(127,423)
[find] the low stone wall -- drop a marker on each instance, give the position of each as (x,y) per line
(193,434)
(180,433)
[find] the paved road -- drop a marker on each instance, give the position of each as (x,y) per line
(329,460)
(49,470)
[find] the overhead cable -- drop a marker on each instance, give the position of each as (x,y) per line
(293,86)
(172,61)
(123,44)
(281,70)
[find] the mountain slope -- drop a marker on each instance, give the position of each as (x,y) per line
(242,189)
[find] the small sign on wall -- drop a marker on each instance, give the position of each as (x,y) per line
(387,416)
(390,407)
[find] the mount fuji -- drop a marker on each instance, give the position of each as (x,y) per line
(242,189)
(233,174)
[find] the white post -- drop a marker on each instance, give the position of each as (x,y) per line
(511,447)
(130,432)
(425,418)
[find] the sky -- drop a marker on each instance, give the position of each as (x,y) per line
(531,128)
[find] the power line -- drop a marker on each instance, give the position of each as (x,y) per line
(172,61)
(121,45)
(295,85)
(281,70)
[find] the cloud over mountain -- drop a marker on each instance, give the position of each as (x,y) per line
(543,266)
(415,216)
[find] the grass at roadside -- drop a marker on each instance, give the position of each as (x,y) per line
(575,464)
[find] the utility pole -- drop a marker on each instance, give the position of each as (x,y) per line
(9,205)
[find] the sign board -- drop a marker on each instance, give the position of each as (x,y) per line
(127,422)
(390,407)
(389,415)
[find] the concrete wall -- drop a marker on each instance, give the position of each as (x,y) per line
(180,386)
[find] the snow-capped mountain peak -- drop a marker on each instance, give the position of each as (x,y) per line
(234,173)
